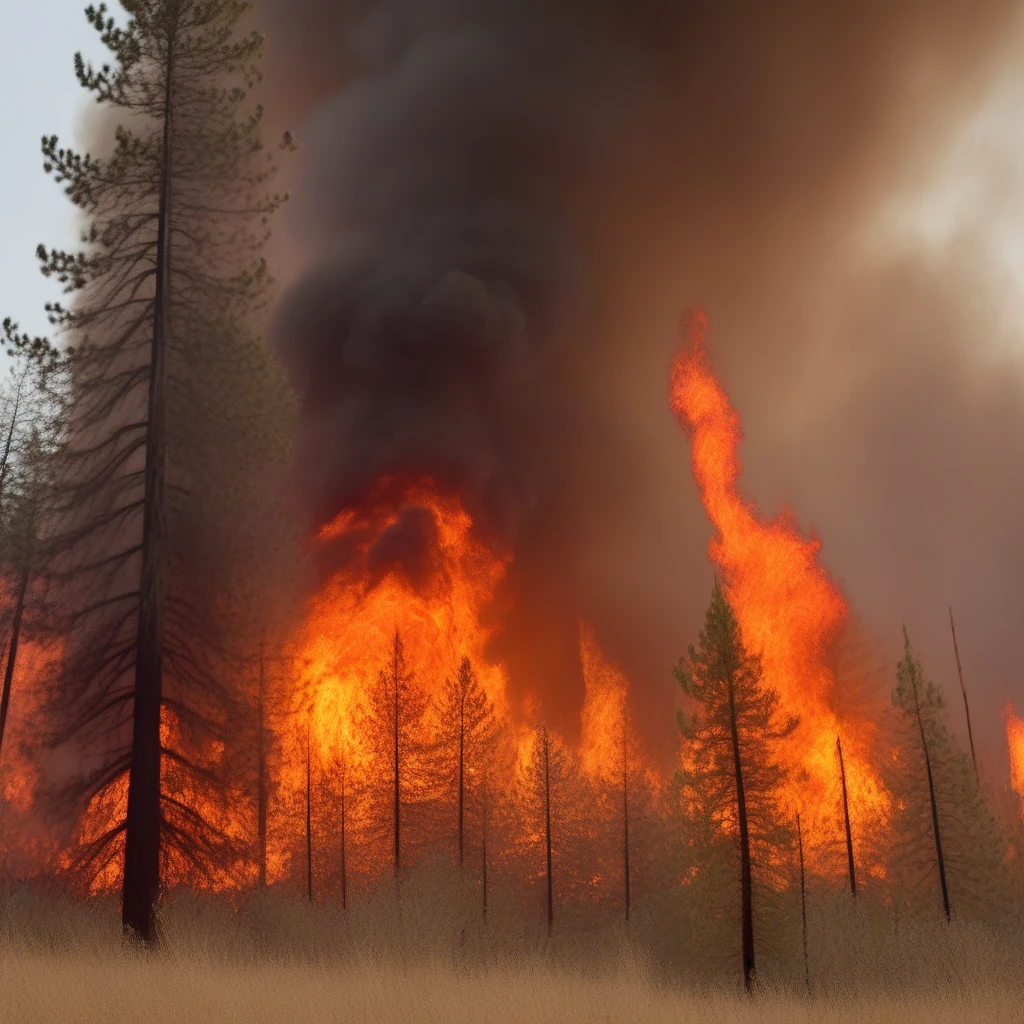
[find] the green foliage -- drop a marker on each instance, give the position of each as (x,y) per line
(721,679)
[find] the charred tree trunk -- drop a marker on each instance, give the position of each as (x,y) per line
(940,861)
(261,782)
(846,820)
(309,814)
(963,690)
(19,610)
(803,902)
(397,764)
(746,882)
(547,828)
(483,841)
(935,812)
(344,837)
(462,769)
(141,881)
(625,820)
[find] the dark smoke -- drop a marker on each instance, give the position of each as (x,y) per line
(503,208)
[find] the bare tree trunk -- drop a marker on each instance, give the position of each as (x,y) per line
(344,851)
(963,690)
(746,882)
(547,827)
(625,817)
(397,764)
(12,647)
(483,842)
(309,814)
(803,902)
(846,820)
(935,808)
(935,817)
(261,783)
(141,881)
(462,766)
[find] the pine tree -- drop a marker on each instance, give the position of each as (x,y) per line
(732,776)
(394,727)
(466,732)
(167,278)
(547,802)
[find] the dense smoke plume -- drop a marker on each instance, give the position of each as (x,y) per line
(502,209)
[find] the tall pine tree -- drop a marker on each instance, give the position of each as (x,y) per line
(167,278)
(732,777)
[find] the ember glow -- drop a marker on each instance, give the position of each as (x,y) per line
(789,611)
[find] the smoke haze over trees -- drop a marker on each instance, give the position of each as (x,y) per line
(503,208)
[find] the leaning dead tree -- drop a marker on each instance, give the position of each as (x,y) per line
(963,690)
(168,273)
(918,698)
(846,820)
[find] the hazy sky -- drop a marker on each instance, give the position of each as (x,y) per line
(38,95)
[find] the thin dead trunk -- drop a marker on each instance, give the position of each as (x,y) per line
(462,766)
(963,690)
(261,782)
(846,820)
(746,883)
(344,837)
(397,764)
(803,902)
(934,806)
(483,842)
(309,814)
(141,882)
(547,827)
(625,816)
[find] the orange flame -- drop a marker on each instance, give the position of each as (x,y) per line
(350,623)
(1015,740)
(789,611)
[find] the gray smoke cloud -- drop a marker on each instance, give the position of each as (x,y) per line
(502,209)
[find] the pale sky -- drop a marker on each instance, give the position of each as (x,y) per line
(38,95)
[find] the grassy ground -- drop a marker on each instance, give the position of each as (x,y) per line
(95,988)
(393,962)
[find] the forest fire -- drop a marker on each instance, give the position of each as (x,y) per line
(790,612)
(410,565)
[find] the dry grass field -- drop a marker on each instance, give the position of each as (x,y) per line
(283,962)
